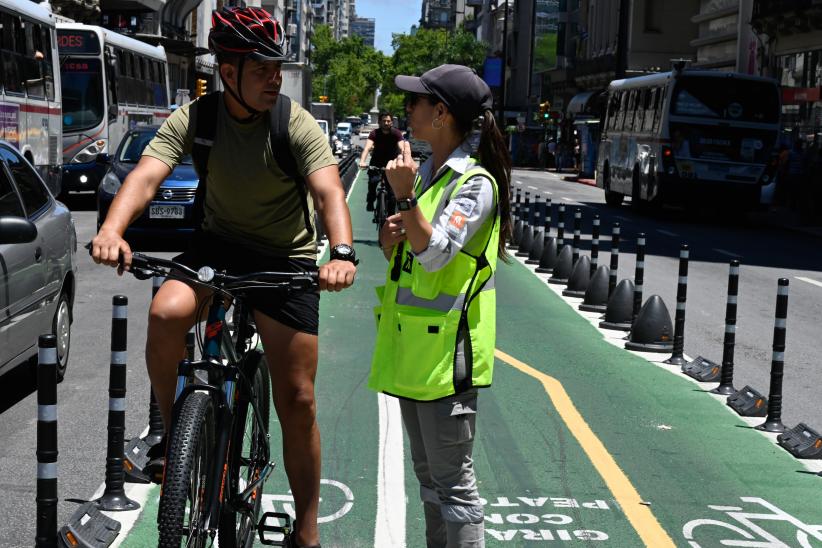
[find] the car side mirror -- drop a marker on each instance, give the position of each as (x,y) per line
(16,230)
(112,111)
(104,158)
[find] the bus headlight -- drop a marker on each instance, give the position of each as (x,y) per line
(111,183)
(89,154)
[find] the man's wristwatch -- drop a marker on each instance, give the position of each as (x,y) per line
(406,204)
(344,252)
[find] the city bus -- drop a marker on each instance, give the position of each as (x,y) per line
(30,86)
(111,83)
(690,136)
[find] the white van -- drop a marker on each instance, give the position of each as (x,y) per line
(343,129)
(324,127)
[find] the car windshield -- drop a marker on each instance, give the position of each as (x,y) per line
(133,145)
(727,99)
(82,86)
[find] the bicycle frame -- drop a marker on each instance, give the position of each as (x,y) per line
(221,383)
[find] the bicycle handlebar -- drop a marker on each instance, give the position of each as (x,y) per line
(144,266)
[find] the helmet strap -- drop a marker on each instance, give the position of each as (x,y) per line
(252,113)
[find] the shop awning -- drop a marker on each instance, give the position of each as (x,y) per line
(797,96)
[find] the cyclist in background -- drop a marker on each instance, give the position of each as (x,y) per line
(385,142)
(256,218)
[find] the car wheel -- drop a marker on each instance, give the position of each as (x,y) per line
(61,328)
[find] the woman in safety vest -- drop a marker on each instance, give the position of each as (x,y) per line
(437,319)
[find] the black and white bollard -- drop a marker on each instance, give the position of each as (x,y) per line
(577,230)
(594,245)
(548,257)
(517,226)
(156,430)
(46,525)
(773,422)
(114,497)
(612,281)
(639,274)
(726,380)
(677,357)
(560,227)
(540,235)
(529,232)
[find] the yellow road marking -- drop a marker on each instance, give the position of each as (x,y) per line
(640,516)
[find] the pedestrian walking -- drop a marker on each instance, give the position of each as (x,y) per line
(436,330)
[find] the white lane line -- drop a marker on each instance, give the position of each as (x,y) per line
(567,199)
(809,280)
(728,253)
(390,525)
(621,218)
(519,182)
(667,232)
(532,187)
(546,192)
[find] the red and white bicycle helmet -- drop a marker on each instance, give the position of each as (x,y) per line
(247,32)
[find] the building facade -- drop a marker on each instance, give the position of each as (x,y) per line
(725,40)
(790,32)
(364,27)
(442,14)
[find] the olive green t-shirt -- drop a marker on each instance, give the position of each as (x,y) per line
(249,199)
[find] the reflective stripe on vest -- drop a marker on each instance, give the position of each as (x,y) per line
(443,303)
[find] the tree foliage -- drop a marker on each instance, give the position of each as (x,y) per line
(349,72)
(424,50)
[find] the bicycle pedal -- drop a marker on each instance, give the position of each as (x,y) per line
(263,527)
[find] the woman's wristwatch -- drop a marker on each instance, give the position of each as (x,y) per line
(406,204)
(344,252)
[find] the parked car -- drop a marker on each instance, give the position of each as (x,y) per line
(171,212)
(38,267)
(342,146)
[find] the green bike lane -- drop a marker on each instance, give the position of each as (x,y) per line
(578,441)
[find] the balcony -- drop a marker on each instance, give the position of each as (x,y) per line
(785,17)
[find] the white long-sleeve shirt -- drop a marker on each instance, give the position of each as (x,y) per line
(458,219)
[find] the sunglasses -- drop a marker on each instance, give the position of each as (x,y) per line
(411,99)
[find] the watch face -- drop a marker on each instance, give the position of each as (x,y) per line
(343,249)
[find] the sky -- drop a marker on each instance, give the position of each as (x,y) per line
(391,17)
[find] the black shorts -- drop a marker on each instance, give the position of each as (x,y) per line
(299,310)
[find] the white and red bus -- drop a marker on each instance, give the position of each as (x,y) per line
(690,136)
(110,83)
(30,95)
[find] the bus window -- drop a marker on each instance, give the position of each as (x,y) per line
(12,66)
(659,108)
(728,99)
(48,62)
(649,103)
(33,61)
(620,118)
(630,113)
(639,117)
(82,85)
(147,95)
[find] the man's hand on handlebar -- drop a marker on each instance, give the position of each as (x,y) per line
(109,248)
(363,165)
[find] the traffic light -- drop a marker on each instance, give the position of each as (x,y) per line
(545,111)
(323,98)
(200,87)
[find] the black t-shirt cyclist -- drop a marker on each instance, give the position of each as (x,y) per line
(385,146)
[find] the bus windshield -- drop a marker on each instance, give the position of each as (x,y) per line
(734,100)
(82,85)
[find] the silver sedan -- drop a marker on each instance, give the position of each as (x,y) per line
(38,269)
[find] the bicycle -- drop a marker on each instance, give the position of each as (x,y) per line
(218,455)
(386,203)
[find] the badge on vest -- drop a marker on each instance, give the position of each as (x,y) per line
(409,261)
(456,223)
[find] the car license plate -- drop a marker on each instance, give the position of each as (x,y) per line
(166,212)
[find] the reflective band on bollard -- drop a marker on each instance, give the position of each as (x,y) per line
(726,382)
(595,245)
(612,281)
(639,275)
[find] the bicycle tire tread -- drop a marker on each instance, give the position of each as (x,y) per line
(182,450)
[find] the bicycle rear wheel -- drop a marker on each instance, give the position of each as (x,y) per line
(248,455)
(182,505)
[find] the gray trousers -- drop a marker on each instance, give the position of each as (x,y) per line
(441,436)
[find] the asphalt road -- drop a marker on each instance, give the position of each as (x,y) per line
(765,253)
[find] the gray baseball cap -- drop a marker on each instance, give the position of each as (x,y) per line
(464,93)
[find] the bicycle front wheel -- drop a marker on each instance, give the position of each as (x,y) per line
(182,500)
(248,455)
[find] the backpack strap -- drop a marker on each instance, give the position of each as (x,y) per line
(204,110)
(281,150)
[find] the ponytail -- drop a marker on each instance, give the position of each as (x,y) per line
(494,156)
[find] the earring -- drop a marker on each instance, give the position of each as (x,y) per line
(434,125)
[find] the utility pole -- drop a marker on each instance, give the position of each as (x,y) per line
(504,67)
(622,39)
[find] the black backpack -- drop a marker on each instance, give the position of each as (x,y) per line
(205,111)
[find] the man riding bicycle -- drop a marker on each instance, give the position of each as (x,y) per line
(256,217)
(385,143)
